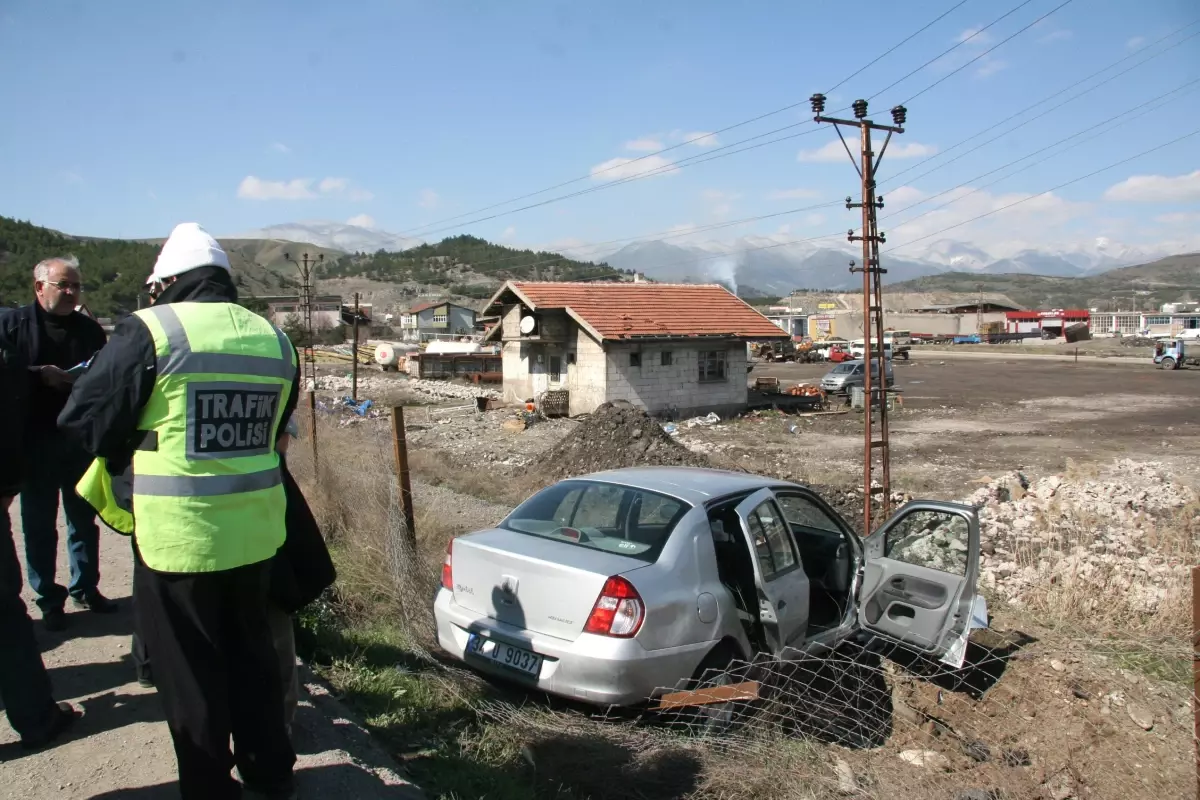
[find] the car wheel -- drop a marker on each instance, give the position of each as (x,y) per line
(1167,363)
(719,668)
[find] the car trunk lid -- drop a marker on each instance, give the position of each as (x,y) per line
(530,582)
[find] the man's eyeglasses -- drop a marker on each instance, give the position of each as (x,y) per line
(74,286)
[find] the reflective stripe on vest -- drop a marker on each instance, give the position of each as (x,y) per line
(209,496)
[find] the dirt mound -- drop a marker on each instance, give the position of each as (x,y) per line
(616,435)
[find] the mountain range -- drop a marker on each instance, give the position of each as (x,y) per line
(772,266)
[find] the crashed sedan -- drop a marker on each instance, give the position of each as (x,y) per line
(617,587)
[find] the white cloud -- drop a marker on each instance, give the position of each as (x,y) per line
(1135,42)
(362,221)
(813,220)
(701,139)
(1190,218)
(1156,189)
(974,38)
(1061,35)
(509,234)
(1037,221)
(794,194)
(429,199)
(834,151)
(253,188)
(989,67)
(646,144)
(619,168)
(280,147)
(333,185)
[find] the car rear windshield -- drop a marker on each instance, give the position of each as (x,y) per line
(843,368)
(601,516)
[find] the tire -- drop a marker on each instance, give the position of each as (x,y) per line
(1167,363)
(714,719)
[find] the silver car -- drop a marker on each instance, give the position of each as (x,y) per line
(616,587)
(848,374)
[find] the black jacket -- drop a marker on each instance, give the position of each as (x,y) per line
(14,398)
(20,330)
(106,405)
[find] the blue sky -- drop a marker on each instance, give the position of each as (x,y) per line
(126,117)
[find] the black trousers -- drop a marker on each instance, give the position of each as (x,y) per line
(215,670)
(24,684)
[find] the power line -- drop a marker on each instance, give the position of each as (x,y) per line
(726,129)
(950,50)
(1091,174)
(1112,124)
(989,50)
(1045,100)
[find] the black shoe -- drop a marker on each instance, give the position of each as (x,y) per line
(146,683)
(54,620)
(95,602)
(66,717)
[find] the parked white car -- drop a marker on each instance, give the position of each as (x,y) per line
(615,587)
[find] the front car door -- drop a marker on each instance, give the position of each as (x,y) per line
(919,576)
(778,574)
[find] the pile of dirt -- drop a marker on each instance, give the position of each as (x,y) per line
(1126,532)
(614,436)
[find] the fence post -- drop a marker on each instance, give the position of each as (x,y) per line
(1196,670)
(400,445)
(354,353)
(312,425)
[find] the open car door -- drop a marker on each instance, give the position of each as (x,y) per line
(778,574)
(919,576)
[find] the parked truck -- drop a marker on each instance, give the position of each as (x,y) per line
(1174,354)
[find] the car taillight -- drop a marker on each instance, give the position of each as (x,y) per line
(448,568)
(619,610)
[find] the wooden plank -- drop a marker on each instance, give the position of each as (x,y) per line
(711,694)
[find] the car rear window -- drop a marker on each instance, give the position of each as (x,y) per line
(600,516)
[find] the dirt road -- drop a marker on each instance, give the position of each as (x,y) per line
(121,747)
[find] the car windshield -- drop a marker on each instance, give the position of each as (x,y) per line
(601,516)
(845,368)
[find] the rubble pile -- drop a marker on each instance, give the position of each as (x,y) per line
(377,386)
(616,435)
(1137,341)
(1104,532)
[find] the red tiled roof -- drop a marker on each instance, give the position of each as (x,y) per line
(624,310)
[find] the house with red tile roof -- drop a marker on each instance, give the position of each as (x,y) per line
(669,348)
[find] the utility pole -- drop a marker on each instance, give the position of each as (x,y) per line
(979,309)
(306,265)
(874,355)
(354,352)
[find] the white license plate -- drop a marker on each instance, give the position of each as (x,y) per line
(505,655)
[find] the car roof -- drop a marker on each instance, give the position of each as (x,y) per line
(695,485)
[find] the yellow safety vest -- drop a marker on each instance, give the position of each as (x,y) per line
(207,490)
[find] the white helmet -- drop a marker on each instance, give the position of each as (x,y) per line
(188,247)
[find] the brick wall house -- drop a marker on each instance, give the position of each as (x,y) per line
(678,348)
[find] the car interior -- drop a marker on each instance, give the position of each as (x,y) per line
(825,555)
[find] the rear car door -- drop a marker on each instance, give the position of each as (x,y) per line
(919,576)
(778,574)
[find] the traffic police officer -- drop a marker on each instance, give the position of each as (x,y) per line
(194,392)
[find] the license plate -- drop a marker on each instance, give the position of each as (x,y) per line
(505,655)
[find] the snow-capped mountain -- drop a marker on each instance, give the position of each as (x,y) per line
(776,266)
(332,235)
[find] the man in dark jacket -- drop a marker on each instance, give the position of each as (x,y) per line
(53,338)
(24,684)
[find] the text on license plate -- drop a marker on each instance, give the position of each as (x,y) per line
(505,655)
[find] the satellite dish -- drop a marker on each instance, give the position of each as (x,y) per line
(527,325)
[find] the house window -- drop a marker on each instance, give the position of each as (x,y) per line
(1158,320)
(635,359)
(555,369)
(439,319)
(666,358)
(712,365)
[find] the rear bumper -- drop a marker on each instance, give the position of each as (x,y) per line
(593,669)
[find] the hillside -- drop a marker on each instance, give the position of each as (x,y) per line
(465,266)
(1143,287)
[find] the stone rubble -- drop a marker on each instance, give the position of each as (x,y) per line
(374,386)
(1099,531)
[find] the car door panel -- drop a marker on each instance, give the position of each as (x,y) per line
(919,575)
(784,591)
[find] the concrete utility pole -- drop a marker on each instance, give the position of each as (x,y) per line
(979,309)
(874,355)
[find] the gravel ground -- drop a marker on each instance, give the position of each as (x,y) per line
(121,748)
